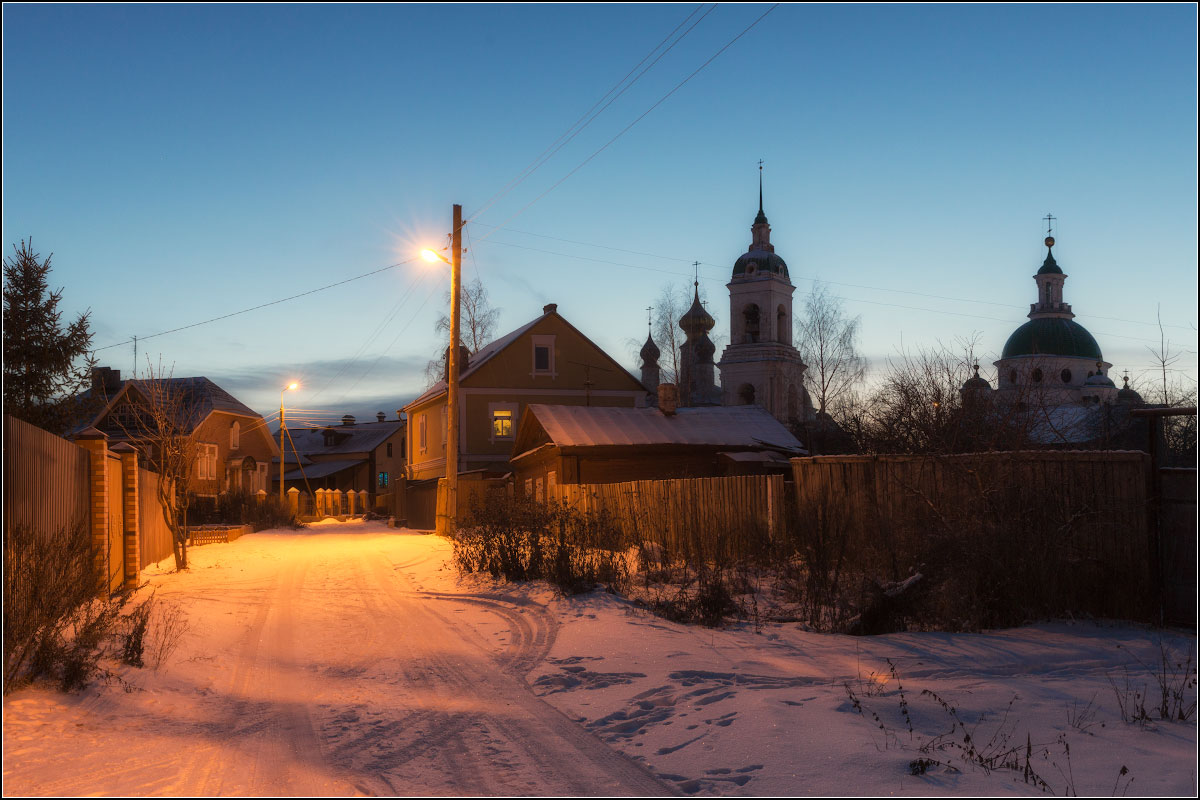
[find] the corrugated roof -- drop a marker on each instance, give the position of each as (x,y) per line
(734,426)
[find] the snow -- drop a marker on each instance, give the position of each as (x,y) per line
(350,658)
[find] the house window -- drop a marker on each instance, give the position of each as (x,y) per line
(235,436)
(261,482)
(543,355)
(529,487)
(422,441)
(206,462)
(502,416)
(538,491)
(389,449)
(383,480)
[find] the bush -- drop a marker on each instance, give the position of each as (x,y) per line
(518,539)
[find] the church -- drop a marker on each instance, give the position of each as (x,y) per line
(761,365)
(1053,366)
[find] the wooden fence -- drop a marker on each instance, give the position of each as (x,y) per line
(1059,529)
(715,517)
(155,537)
(45,479)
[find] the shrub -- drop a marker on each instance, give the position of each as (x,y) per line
(243,508)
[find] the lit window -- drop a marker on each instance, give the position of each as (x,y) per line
(383,480)
(502,423)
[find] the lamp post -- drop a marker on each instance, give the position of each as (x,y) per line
(282,425)
(447,523)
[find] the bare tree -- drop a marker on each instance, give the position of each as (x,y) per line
(828,344)
(157,415)
(477,326)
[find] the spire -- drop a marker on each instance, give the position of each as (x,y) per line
(761,219)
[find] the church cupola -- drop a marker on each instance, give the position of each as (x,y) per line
(650,370)
(1050,279)
(697,373)
(760,259)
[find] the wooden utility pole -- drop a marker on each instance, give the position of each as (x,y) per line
(450,520)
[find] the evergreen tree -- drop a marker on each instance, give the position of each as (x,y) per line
(45,365)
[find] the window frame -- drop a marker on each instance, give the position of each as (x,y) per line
(514,411)
(546,341)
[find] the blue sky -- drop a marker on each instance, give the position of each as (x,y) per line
(188,162)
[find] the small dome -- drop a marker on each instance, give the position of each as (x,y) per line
(976,383)
(1100,381)
(760,261)
(1052,336)
(650,351)
(1050,266)
(697,318)
(1130,396)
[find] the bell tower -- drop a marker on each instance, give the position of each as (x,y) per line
(761,366)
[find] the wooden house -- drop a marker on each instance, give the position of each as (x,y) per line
(232,443)
(573,445)
(547,360)
(358,456)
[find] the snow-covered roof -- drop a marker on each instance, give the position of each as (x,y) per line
(479,359)
(743,427)
(361,437)
(321,469)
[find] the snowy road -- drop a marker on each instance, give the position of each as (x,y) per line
(316,667)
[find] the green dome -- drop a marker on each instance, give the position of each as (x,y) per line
(1050,266)
(1052,336)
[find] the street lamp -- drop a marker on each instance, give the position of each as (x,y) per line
(282,461)
(447,522)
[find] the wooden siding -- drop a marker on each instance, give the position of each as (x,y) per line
(45,479)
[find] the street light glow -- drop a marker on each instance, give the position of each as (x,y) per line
(430,255)
(293,386)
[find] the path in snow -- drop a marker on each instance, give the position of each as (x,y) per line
(313,667)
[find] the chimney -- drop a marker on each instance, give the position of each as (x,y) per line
(106,381)
(464,358)
(668,399)
(380,417)
(550,308)
(347,420)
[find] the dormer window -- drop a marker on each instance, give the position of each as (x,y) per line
(543,356)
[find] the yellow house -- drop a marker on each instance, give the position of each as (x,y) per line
(546,361)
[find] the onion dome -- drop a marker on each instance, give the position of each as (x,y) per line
(696,320)
(1050,266)
(976,383)
(1099,380)
(1052,336)
(1129,396)
(650,351)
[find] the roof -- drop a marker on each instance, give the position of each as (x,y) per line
(361,437)
(198,397)
(743,427)
(477,360)
(1050,266)
(762,261)
(1052,336)
(321,469)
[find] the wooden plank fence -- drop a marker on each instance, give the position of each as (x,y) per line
(45,479)
(724,518)
(1068,523)
(155,537)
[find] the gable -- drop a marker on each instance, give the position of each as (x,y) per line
(576,362)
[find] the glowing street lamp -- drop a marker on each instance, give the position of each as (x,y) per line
(291,387)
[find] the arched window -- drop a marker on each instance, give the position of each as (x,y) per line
(751,315)
(1037,376)
(746,394)
(783,330)
(1012,376)
(1065,375)
(235,436)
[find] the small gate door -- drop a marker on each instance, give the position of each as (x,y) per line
(116,525)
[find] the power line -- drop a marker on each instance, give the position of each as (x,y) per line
(257,307)
(565,138)
(643,115)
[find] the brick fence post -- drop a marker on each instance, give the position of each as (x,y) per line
(96,444)
(129,498)
(293,500)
